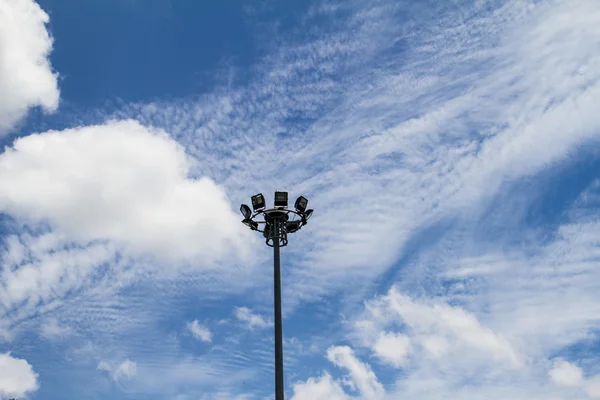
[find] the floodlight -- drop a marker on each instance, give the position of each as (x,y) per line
(281,199)
(275,224)
(258,202)
(307,214)
(301,204)
(292,226)
(250,224)
(245,210)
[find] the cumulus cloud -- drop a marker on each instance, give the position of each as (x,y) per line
(360,377)
(200,331)
(16,376)
(569,375)
(360,373)
(26,77)
(563,373)
(253,321)
(120,182)
(322,388)
(592,387)
(124,370)
(436,327)
(392,348)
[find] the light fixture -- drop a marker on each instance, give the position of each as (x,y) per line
(281,199)
(292,226)
(258,202)
(301,204)
(276,224)
(245,210)
(250,224)
(307,214)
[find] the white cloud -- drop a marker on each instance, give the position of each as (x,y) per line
(438,328)
(254,321)
(592,387)
(569,375)
(120,182)
(322,388)
(506,319)
(360,373)
(125,370)
(26,77)
(39,271)
(393,348)
(477,103)
(16,377)
(52,329)
(199,331)
(211,375)
(472,106)
(563,373)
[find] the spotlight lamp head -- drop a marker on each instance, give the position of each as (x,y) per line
(301,204)
(245,210)
(293,226)
(307,214)
(281,199)
(250,224)
(258,202)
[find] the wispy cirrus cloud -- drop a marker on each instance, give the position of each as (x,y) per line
(402,136)
(495,329)
(127,369)
(384,155)
(252,320)
(94,203)
(52,329)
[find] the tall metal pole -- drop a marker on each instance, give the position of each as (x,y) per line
(278,321)
(277,225)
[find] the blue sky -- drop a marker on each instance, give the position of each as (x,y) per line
(449,148)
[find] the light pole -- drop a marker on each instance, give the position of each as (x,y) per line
(275,224)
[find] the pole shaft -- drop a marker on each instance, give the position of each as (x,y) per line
(279,393)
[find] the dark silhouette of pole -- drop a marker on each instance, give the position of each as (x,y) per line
(275,224)
(279,394)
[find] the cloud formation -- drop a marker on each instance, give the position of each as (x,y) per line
(26,76)
(484,99)
(360,373)
(252,320)
(392,348)
(52,329)
(199,331)
(322,388)
(464,112)
(118,371)
(120,182)
(16,377)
